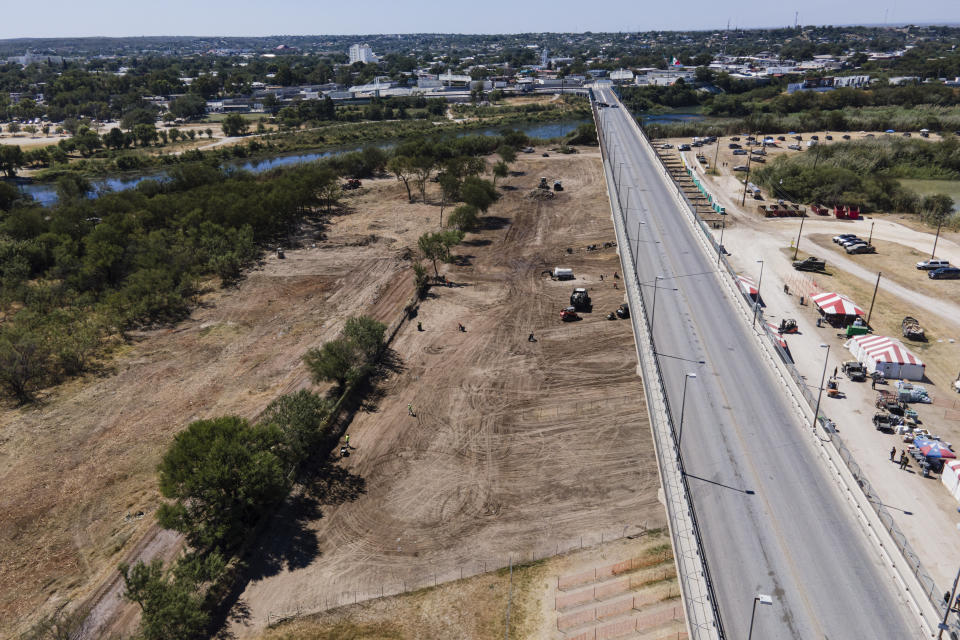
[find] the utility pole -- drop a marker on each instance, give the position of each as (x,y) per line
(870,239)
(720,244)
(797,247)
(937,237)
(875,287)
(746,181)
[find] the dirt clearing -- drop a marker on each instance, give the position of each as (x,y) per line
(515,446)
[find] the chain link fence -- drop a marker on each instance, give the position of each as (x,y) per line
(353,592)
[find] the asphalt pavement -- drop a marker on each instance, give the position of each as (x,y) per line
(772,520)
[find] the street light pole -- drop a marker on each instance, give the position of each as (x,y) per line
(823,377)
(756,303)
(870,239)
(762,599)
(746,181)
(636,252)
(720,244)
(653,311)
(683,406)
(797,247)
(953,594)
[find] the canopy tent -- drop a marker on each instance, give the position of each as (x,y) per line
(951,478)
(748,285)
(834,304)
(886,355)
(937,450)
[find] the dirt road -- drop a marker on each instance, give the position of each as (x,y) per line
(515,446)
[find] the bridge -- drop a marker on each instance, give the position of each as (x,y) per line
(757,503)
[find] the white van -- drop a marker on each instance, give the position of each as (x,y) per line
(930,265)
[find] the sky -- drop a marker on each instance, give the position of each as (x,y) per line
(71,18)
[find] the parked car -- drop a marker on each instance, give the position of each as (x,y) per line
(862,248)
(733,145)
(795,147)
(739,152)
(850,241)
(906,134)
(666,145)
(945,273)
(846,136)
(735,138)
(814,137)
(829,137)
(855,371)
(782,138)
(843,236)
(684,147)
(741,167)
(760,160)
(933,264)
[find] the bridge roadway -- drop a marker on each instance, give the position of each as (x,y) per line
(771,518)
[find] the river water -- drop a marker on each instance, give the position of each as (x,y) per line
(46,193)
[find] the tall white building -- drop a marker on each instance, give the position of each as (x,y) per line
(362,53)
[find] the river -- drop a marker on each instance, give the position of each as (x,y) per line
(46,193)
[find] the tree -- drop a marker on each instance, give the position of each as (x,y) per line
(449,190)
(234,125)
(302,421)
(333,362)
(188,106)
(13,127)
(507,153)
(478,192)
(422,166)
(351,356)
(401,167)
(115,139)
(436,246)
(171,607)
(24,357)
(464,218)
(366,335)
(144,133)
(207,131)
(221,475)
(936,208)
(11,159)
(420,279)
(500,170)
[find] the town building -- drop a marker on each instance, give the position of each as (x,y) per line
(362,53)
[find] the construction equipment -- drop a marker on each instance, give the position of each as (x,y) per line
(810,264)
(623,311)
(557,186)
(912,330)
(888,401)
(543,184)
(854,370)
(351,184)
(562,273)
(569,314)
(280,253)
(580,300)
(788,325)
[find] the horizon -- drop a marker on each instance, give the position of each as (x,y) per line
(247,19)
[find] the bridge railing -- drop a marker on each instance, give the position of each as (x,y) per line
(699,597)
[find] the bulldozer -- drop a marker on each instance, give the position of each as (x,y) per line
(557,186)
(543,185)
(580,300)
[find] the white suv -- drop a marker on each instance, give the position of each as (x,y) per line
(930,265)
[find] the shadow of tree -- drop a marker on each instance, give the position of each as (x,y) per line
(492,223)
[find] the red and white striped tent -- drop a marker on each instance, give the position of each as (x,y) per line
(886,355)
(776,335)
(834,304)
(748,285)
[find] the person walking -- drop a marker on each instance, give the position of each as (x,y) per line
(530,338)
(347,439)
(409,409)
(893,452)
(419,327)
